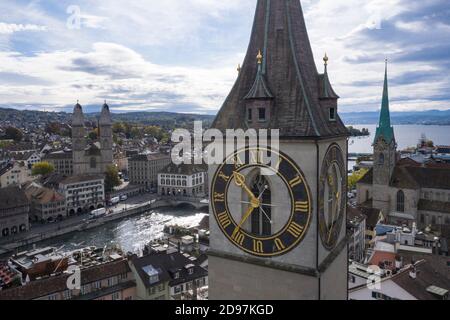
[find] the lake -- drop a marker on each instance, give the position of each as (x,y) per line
(406,136)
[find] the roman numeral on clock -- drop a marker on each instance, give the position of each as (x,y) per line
(238,237)
(295,182)
(279,244)
(302,206)
(224,219)
(224,177)
(295,230)
(219,197)
(258,246)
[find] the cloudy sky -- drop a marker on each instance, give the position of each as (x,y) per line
(181,55)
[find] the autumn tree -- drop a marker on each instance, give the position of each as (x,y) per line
(42,168)
(355,177)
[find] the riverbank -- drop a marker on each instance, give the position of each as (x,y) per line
(34,237)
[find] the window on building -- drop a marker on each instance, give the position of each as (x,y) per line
(422,218)
(93,163)
(381,159)
(400,201)
(261,219)
(433,220)
(262,114)
(332,114)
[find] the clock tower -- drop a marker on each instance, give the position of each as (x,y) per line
(281,235)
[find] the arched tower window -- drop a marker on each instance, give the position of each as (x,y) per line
(262,217)
(400,201)
(93,163)
(381,159)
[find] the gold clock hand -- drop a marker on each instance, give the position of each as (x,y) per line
(246,216)
(239,180)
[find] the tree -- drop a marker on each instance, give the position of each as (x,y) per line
(14,134)
(42,168)
(93,135)
(53,128)
(355,177)
(112,179)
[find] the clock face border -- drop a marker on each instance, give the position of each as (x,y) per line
(297,226)
(333,157)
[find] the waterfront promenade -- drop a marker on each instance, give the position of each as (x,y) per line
(133,206)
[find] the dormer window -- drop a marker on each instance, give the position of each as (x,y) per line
(262,114)
(176,275)
(332,114)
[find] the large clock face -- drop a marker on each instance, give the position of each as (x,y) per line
(265,210)
(333,186)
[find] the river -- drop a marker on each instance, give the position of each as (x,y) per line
(131,234)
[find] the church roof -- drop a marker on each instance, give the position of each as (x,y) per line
(414,177)
(287,72)
(384,129)
(432,205)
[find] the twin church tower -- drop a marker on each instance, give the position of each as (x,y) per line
(93,159)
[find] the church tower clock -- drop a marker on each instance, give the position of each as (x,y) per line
(282,235)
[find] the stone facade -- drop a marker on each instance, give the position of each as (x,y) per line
(83,193)
(62,161)
(14,211)
(96,158)
(143,169)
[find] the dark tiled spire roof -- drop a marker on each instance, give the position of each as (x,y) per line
(289,70)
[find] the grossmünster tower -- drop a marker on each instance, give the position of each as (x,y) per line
(281,236)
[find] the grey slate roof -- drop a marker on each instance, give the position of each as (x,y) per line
(167,265)
(289,70)
(432,205)
(12,197)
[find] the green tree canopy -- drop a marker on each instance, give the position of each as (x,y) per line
(112,179)
(42,168)
(14,134)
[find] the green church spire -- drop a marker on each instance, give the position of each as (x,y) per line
(384,129)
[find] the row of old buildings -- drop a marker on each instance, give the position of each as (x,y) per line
(103,274)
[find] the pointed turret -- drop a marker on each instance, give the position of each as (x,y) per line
(384,129)
(105,116)
(287,73)
(78,116)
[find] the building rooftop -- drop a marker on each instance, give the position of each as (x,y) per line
(12,197)
(166,266)
(82,178)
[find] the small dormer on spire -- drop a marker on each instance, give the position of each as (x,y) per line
(259,90)
(326,91)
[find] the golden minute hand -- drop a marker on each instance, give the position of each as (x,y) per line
(239,179)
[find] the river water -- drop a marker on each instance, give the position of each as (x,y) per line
(132,233)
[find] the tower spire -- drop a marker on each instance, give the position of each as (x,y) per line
(385,130)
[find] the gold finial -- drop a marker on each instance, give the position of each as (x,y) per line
(325,59)
(239,68)
(259,57)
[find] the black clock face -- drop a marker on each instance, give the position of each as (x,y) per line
(265,210)
(333,188)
